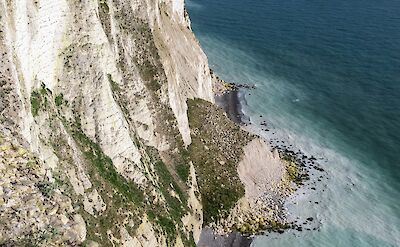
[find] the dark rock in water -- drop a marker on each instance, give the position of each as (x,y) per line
(300,228)
(246,86)
(310,218)
(316,202)
(280,231)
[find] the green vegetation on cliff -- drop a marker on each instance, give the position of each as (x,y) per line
(39,99)
(216,149)
(105,168)
(126,202)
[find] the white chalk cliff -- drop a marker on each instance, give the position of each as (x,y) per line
(124,69)
(94,127)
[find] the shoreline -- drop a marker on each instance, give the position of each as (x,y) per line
(230,98)
(229,101)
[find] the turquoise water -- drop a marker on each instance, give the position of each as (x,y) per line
(328,82)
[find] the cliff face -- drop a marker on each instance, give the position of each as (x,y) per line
(108,134)
(97,91)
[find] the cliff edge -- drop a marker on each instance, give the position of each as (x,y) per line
(108,131)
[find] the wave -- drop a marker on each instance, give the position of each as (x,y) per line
(352,204)
(358,204)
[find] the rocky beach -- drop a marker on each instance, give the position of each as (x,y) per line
(270,171)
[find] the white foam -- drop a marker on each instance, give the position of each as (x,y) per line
(353,204)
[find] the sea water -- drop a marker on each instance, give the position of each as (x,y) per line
(327,76)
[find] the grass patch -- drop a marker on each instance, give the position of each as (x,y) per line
(106,169)
(36,101)
(44,90)
(183,171)
(104,6)
(124,199)
(39,238)
(167,216)
(217,145)
(167,184)
(39,99)
(59,100)
(168,226)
